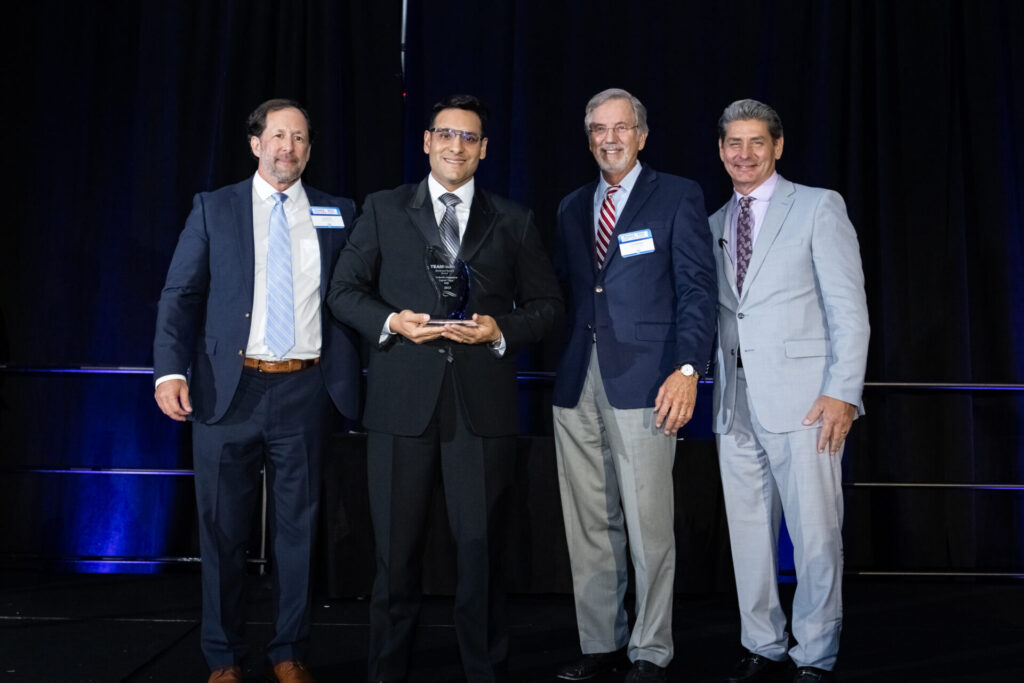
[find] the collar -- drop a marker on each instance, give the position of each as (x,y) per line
(264,189)
(764,191)
(465,193)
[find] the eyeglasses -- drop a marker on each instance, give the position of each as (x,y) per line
(619,130)
(449,134)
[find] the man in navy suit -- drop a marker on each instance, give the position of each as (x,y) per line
(634,253)
(242,315)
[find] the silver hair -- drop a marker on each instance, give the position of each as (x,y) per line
(639,110)
(745,110)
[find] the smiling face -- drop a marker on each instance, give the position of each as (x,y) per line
(453,162)
(616,153)
(282,148)
(749,153)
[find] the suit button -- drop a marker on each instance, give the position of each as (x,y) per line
(241,352)
(248,314)
(599,289)
(740,316)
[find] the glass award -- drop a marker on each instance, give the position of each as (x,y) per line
(450,278)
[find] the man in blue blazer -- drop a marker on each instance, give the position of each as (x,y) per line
(242,315)
(789,372)
(635,257)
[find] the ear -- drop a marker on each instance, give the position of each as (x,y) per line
(483,148)
(778,148)
(426,142)
(642,142)
(254,145)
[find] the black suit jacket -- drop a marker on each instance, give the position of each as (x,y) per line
(382,270)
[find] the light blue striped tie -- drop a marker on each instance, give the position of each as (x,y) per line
(280,335)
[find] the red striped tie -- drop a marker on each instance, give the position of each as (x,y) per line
(605,225)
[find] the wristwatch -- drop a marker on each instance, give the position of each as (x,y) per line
(688,370)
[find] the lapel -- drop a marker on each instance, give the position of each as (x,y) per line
(778,208)
(482,218)
(241,211)
(325,239)
(718,223)
(421,213)
(582,218)
(642,190)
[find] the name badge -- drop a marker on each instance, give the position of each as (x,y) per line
(636,242)
(326,217)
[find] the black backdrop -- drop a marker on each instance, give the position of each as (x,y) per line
(119,112)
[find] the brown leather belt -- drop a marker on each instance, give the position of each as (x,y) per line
(293,365)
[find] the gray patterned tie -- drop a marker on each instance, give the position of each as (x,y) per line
(744,245)
(450,225)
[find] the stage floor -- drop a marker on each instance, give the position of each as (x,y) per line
(90,627)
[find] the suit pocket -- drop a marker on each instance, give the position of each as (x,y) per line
(660,332)
(806,348)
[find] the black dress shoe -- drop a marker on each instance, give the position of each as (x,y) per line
(646,672)
(591,665)
(752,668)
(811,674)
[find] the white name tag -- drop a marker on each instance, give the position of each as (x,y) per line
(636,242)
(326,217)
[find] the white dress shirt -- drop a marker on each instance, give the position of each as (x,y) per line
(305,273)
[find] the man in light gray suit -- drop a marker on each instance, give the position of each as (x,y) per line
(792,348)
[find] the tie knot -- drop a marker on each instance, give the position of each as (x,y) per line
(450,200)
(280,197)
(745,202)
(612,189)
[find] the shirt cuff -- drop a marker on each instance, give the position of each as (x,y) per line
(498,347)
(386,332)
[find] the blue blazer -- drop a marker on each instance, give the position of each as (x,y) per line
(649,312)
(205,309)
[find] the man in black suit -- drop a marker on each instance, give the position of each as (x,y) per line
(442,396)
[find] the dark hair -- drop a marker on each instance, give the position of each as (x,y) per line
(257,121)
(748,110)
(467,102)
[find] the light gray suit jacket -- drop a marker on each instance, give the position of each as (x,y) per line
(801,324)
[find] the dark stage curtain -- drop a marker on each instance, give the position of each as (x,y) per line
(122,111)
(910,109)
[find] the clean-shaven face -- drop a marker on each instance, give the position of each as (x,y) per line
(453,161)
(749,153)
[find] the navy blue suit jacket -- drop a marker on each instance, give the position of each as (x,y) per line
(650,312)
(205,308)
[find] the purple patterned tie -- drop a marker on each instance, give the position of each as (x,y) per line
(744,245)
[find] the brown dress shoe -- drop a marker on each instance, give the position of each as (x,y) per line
(229,674)
(292,672)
